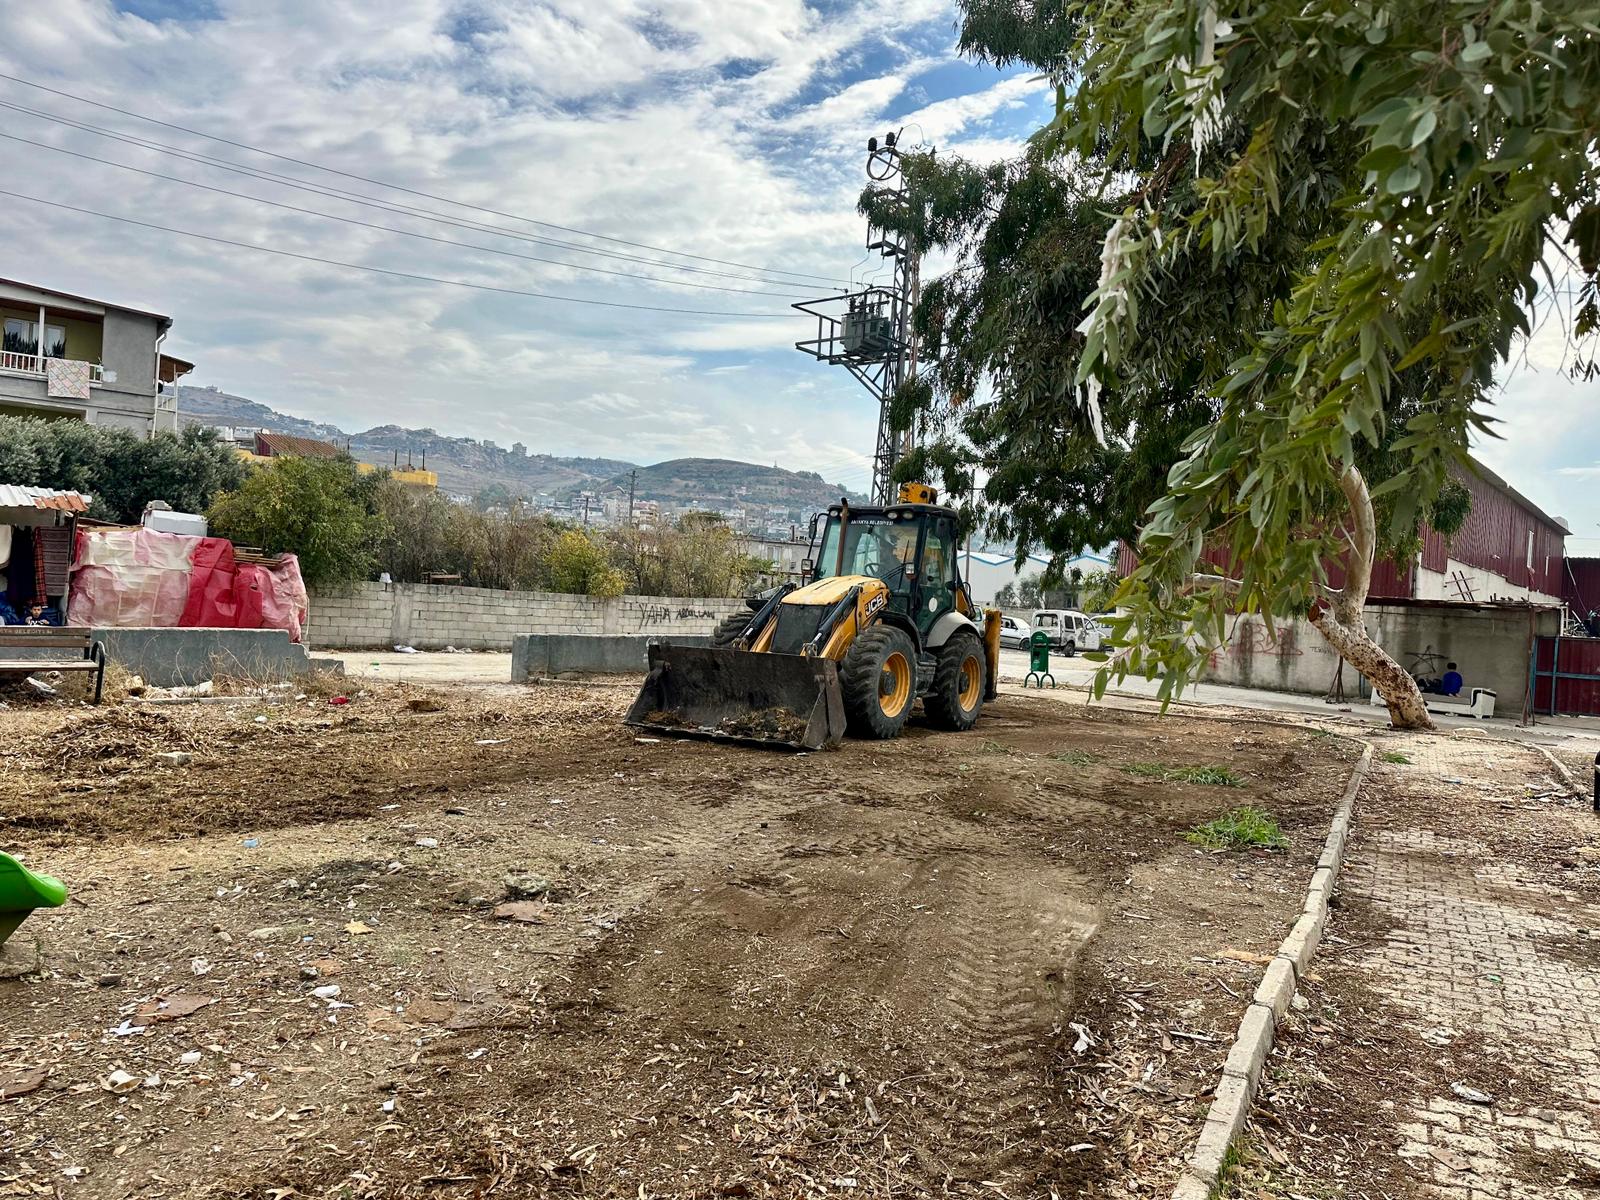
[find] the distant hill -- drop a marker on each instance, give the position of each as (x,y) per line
(466,465)
(721,480)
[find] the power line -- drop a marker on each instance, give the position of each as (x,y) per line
(385,228)
(405,210)
(349,266)
(399,188)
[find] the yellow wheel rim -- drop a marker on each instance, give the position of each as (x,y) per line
(894,684)
(971,682)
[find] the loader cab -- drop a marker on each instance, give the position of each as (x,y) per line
(910,546)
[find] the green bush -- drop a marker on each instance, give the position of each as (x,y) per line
(317,508)
(581,565)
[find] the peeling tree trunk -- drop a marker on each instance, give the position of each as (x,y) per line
(1339,620)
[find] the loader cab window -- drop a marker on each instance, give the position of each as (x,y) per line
(875,544)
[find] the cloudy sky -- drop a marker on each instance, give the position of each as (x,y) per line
(687,131)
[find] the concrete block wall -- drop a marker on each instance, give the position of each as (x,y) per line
(1490,646)
(432,616)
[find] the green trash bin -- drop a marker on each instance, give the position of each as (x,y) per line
(1039,660)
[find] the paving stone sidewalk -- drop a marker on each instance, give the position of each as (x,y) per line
(1464,950)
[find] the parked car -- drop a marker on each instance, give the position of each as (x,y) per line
(1014,632)
(1069,629)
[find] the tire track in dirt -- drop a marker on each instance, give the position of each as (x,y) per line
(1010,982)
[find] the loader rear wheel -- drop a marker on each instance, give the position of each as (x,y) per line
(729,628)
(879,680)
(958,680)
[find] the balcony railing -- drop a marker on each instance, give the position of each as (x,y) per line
(33,364)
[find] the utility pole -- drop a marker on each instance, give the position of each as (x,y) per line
(872,335)
(633,478)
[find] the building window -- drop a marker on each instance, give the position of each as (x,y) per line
(22,337)
(1530,549)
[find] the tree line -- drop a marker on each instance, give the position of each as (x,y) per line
(346,525)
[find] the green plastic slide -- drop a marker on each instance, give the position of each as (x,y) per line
(21,891)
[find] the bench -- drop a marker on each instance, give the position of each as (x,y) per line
(74,650)
(1481,706)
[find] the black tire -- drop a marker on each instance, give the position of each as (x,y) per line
(959,677)
(1070,649)
(730,627)
(874,676)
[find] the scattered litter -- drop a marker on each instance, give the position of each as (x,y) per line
(474,1055)
(1440,1035)
(495,741)
(1471,1094)
(261,720)
(120,1082)
(328,991)
(337,700)
(250,843)
(644,741)
(405,649)
(44,689)
(189,1058)
(126,1029)
(1085,1038)
(199,966)
(175,758)
(1452,779)
(357,928)
(428,843)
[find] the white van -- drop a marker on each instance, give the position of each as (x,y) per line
(1069,629)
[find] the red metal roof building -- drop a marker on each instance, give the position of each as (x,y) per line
(1507,549)
(283,445)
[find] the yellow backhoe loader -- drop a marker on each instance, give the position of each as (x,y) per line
(882,619)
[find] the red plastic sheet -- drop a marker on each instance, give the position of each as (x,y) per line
(127,578)
(211,601)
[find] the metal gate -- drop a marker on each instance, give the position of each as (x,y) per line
(1565,674)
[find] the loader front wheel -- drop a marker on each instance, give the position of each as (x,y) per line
(730,628)
(879,680)
(958,683)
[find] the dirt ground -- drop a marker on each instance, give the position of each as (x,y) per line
(488,942)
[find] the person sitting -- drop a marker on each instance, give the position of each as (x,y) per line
(1450,682)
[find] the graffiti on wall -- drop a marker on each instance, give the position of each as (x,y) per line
(661,614)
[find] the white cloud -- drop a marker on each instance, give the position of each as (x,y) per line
(730,129)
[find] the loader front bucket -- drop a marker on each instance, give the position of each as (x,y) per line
(786,700)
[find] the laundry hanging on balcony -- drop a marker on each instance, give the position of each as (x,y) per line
(66,379)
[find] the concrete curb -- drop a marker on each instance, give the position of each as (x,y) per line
(1562,772)
(1241,1073)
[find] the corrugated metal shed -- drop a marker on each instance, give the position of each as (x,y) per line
(15,496)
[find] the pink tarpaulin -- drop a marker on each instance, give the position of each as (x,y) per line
(141,577)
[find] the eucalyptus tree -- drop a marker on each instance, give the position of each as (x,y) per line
(1317,231)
